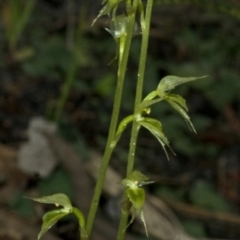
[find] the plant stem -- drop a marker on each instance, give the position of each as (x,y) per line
(138,99)
(81,221)
(113,123)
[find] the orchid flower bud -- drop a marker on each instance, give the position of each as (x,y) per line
(118,26)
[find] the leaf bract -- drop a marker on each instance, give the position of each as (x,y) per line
(49,219)
(155,127)
(182,110)
(58,199)
(170,82)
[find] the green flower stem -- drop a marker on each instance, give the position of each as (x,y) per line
(138,99)
(141,71)
(81,221)
(131,155)
(113,123)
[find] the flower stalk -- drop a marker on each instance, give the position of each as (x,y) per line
(114,120)
(145,25)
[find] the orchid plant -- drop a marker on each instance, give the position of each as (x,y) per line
(123,28)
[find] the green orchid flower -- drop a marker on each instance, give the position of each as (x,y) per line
(162,92)
(51,217)
(118,29)
(110,6)
(135,196)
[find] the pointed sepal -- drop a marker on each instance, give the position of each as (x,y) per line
(109,6)
(170,82)
(59,199)
(155,127)
(49,219)
(179,104)
(137,197)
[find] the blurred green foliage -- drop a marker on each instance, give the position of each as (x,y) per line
(182,45)
(170,193)
(73,136)
(51,58)
(203,194)
(59,181)
(21,206)
(194,228)
(105,85)
(15,16)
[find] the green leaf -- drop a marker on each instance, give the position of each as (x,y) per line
(170,82)
(49,219)
(58,199)
(137,197)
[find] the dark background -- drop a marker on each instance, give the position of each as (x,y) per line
(54,42)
